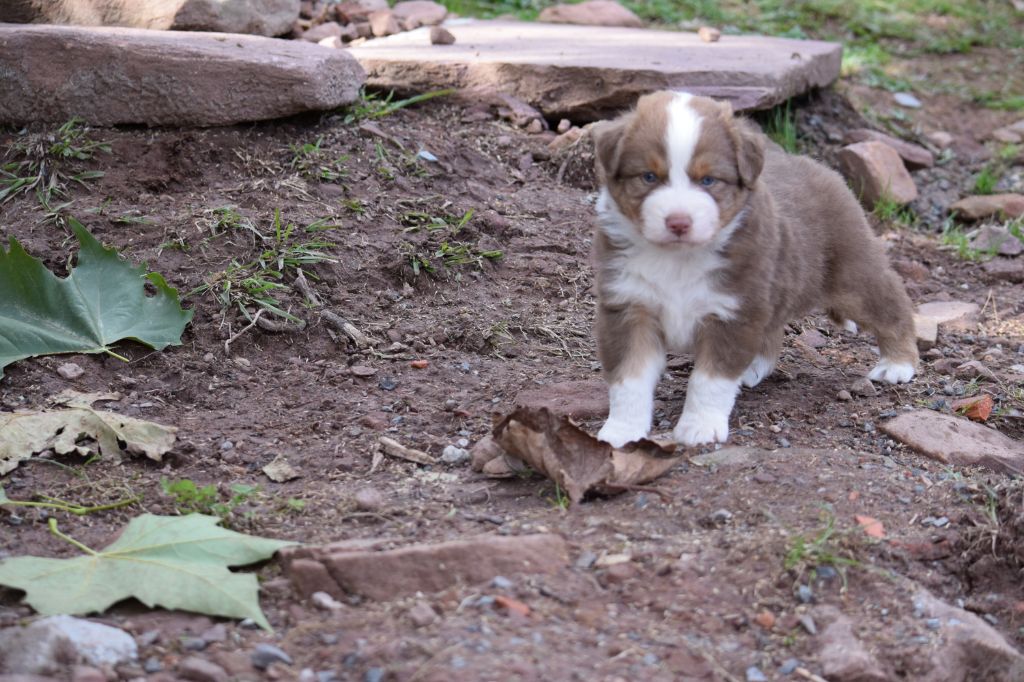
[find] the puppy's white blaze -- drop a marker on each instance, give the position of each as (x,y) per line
(709,401)
(679,194)
(631,405)
(892,372)
(760,368)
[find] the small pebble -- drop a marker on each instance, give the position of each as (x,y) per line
(721,516)
(808,623)
(755,675)
(325,602)
(933,623)
(863,387)
(265,654)
(193,643)
(586,560)
(377,674)
(844,396)
(388,383)
(152,665)
(905,99)
(70,370)
(454,455)
(789,666)
(804,594)
(651,659)
(501,582)
(990,619)
(368,499)
(826,572)
(783,442)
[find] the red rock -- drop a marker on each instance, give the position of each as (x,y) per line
(766,619)
(1004,270)
(912,270)
(262,17)
(925,550)
(957,441)
(328,29)
(914,156)
(419,364)
(206,79)
(953,315)
(383,23)
(813,338)
(976,408)
(842,655)
(940,138)
(356,568)
(578,399)
(988,205)
(354,11)
(709,34)
(512,606)
(872,526)
(415,13)
(874,170)
(200,670)
(441,36)
(591,13)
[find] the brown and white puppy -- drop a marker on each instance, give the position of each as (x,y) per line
(710,239)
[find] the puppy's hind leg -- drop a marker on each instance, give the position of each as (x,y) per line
(871,294)
(633,357)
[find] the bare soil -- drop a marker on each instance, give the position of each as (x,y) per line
(685,602)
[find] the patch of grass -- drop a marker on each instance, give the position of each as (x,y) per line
(781,128)
(311,161)
(954,238)
(560,500)
(259,283)
(1002,102)
(823,548)
(188,498)
(888,210)
(455,254)
(985,182)
(372,105)
(41,162)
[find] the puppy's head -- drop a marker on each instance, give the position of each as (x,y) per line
(679,168)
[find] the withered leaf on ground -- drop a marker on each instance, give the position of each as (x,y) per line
(555,447)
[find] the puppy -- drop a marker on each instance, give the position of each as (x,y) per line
(710,239)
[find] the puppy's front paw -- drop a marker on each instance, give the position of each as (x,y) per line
(618,433)
(892,372)
(698,428)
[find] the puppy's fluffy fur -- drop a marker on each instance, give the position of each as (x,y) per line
(710,239)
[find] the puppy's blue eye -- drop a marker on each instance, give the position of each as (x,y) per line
(707,181)
(649,177)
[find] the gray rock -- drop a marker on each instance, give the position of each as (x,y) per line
(48,645)
(263,655)
(905,99)
(863,387)
(754,674)
(455,456)
(951,315)
(914,156)
(542,64)
(875,171)
(112,76)
(996,239)
(70,370)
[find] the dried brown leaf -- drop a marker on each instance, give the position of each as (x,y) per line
(555,447)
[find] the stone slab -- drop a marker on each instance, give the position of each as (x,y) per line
(591,72)
(366,569)
(112,76)
(952,440)
(577,399)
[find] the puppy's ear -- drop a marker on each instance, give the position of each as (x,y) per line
(608,147)
(748,142)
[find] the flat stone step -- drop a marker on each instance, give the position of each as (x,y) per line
(111,76)
(590,72)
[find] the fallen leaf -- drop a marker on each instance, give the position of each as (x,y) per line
(102,300)
(976,408)
(177,562)
(279,470)
(872,526)
(555,447)
(65,431)
(511,605)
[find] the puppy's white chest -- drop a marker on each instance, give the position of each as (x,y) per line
(681,289)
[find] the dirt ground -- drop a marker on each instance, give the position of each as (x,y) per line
(696,573)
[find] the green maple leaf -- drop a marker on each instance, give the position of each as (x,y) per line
(103,300)
(177,562)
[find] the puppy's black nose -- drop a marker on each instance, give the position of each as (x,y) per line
(678,223)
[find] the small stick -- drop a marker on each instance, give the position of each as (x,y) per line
(346,328)
(255,319)
(303,285)
(396,449)
(808,675)
(280,327)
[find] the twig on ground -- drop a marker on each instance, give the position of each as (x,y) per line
(396,449)
(234,337)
